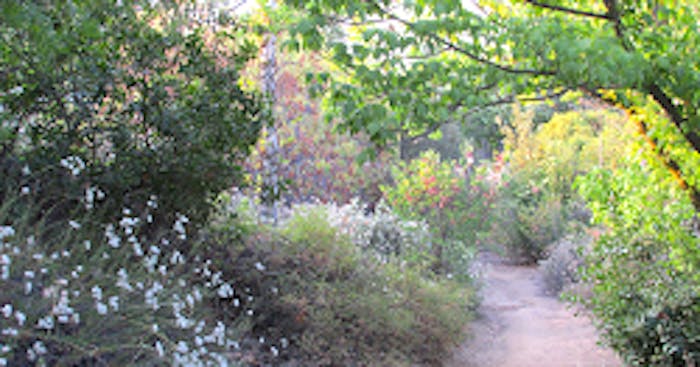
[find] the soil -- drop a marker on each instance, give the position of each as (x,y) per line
(519,325)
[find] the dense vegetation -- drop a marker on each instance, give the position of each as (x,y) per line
(137,142)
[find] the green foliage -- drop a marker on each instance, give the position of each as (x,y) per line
(644,268)
(336,304)
(139,103)
(536,203)
(414,66)
(439,193)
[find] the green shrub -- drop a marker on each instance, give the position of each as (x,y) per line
(536,204)
(334,303)
(123,97)
(644,268)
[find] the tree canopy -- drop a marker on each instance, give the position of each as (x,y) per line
(412,65)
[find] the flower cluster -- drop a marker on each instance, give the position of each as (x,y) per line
(145,291)
(383,231)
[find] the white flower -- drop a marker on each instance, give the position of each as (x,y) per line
(39,347)
(21,317)
(259,266)
(6,231)
(7,310)
(74,164)
(113,239)
(96,293)
(46,322)
(26,171)
(25,190)
(225,291)
(114,302)
(74,224)
(16,90)
(275,351)
(101,308)
(9,331)
(159,348)
(182,347)
(152,202)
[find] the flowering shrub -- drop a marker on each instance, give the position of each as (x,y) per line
(382,232)
(438,192)
(337,304)
(82,292)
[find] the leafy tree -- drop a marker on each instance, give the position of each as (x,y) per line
(414,64)
(137,100)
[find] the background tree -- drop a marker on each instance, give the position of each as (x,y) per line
(414,64)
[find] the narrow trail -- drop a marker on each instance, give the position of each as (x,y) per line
(518,325)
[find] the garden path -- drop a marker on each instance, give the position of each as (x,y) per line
(518,325)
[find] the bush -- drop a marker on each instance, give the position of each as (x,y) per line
(83,292)
(536,204)
(644,267)
(439,193)
(336,304)
(123,97)
(561,270)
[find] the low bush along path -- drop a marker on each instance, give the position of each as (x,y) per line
(519,325)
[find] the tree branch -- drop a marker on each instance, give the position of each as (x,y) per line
(671,164)
(663,99)
(465,52)
(568,10)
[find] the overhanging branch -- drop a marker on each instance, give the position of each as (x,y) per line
(568,10)
(453,46)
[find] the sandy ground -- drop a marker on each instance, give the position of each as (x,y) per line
(519,325)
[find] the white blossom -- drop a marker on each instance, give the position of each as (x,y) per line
(7,310)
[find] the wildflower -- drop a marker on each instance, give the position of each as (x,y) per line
(96,293)
(225,291)
(159,348)
(259,266)
(9,331)
(101,308)
(39,347)
(7,310)
(46,322)
(182,347)
(16,90)
(74,164)
(6,231)
(275,351)
(26,171)
(114,302)
(112,238)
(21,317)
(25,190)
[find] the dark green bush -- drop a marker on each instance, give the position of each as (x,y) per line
(124,98)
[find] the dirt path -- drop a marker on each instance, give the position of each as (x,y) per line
(519,326)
